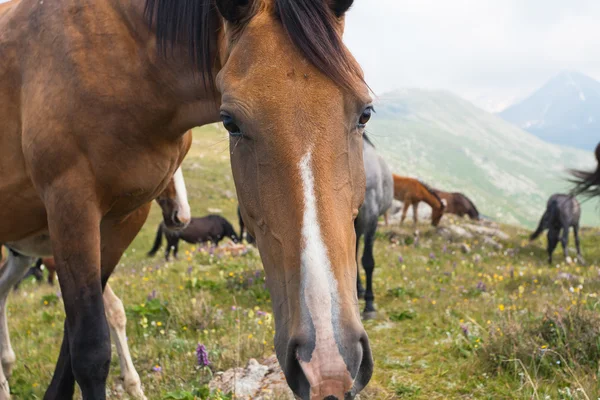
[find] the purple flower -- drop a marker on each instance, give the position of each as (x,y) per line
(233,308)
(189,270)
(152,295)
(465,330)
(260,313)
(481,286)
(432,256)
(157,368)
(400,259)
(202,355)
(444,249)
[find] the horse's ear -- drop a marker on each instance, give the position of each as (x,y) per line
(234,10)
(340,7)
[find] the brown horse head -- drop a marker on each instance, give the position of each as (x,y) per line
(174,204)
(296,107)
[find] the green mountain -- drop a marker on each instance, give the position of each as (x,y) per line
(453,145)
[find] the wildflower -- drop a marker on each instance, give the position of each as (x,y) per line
(157,368)
(501,307)
(431,256)
(202,356)
(400,259)
(465,330)
(481,286)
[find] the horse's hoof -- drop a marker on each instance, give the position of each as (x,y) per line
(569,260)
(368,315)
(580,260)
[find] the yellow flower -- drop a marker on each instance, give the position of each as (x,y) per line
(501,307)
(433,302)
(250,336)
(159,323)
(545,346)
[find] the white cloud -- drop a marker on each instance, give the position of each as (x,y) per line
(492,51)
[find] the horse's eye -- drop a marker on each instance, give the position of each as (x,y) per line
(230,125)
(365,117)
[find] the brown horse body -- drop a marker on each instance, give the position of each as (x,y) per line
(411,192)
(176,215)
(458,204)
(95,98)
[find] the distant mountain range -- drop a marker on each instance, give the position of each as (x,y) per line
(566,111)
(453,145)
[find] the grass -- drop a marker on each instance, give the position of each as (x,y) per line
(486,325)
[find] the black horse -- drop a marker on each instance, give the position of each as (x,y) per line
(212,228)
(562,212)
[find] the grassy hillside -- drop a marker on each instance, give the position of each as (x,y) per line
(454,145)
(490,324)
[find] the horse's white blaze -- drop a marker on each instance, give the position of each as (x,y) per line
(320,291)
(184,213)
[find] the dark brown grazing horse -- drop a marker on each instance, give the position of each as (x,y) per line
(458,204)
(587,183)
(212,228)
(95,98)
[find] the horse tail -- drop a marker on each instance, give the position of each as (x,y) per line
(545,221)
(157,241)
(241,221)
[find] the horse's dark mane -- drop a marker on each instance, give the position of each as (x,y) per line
(471,203)
(586,183)
(433,193)
(193,23)
(310,24)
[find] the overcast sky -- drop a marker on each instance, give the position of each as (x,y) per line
(488,51)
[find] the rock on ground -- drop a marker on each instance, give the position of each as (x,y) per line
(257,381)
(452,232)
(484,231)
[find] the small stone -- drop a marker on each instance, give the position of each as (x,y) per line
(465,248)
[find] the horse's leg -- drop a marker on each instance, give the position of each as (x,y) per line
(15,268)
(176,248)
(385,218)
(359,287)
(74,224)
(553,235)
(404,211)
(577,244)
(415,208)
(564,240)
(115,314)
(116,236)
(368,263)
